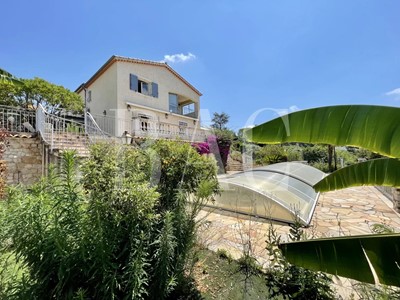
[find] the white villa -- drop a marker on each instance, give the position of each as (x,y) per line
(141,98)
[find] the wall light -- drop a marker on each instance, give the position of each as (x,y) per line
(104,112)
(128,107)
(166,115)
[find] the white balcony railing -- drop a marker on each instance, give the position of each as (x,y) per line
(141,127)
(164,130)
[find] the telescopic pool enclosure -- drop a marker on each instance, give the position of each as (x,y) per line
(276,192)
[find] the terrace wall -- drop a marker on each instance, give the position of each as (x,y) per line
(23,158)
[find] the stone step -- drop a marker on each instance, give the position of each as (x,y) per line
(79,153)
(78,143)
(234,167)
(69,145)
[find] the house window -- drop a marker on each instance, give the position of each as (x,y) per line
(188,109)
(173,103)
(142,86)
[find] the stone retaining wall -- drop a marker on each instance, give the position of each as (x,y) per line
(396,199)
(392,194)
(23,158)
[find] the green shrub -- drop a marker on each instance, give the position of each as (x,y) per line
(347,157)
(236,155)
(316,154)
(270,154)
(322,166)
(294,153)
(366,154)
(124,232)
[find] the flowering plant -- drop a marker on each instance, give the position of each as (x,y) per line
(202,148)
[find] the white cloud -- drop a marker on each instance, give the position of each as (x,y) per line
(177,58)
(395,92)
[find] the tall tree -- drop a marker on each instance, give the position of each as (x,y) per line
(32,92)
(6,77)
(219,121)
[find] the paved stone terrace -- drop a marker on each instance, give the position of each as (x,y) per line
(345,212)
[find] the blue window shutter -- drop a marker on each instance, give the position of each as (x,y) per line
(133,82)
(154,89)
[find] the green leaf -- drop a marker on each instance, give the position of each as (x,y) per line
(357,257)
(382,172)
(376,128)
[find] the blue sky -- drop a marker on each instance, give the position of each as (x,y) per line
(245,55)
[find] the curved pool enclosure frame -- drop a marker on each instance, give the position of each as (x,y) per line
(276,192)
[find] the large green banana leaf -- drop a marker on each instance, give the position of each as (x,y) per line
(376,128)
(381,172)
(364,258)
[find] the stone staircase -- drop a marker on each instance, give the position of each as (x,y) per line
(70,141)
(234,165)
(60,134)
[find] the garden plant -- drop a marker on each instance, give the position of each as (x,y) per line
(120,225)
(369,258)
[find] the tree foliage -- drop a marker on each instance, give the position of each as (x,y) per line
(219,121)
(8,78)
(33,92)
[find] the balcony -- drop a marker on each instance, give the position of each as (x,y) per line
(149,128)
(161,130)
(182,106)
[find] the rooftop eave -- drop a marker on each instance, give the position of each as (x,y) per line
(116,58)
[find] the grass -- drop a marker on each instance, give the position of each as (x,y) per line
(217,277)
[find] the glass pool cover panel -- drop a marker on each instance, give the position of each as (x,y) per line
(274,192)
